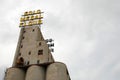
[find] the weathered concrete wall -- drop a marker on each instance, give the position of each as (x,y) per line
(15,74)
(35,73)
(32,48)
(18,48)
(57,71)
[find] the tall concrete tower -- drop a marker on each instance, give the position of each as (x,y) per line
(33,59)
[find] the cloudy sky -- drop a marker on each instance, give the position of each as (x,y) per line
(86,34)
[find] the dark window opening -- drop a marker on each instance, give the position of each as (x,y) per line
(40,52)
(33,30)
(28,63)
(38,61)
(20,61)
(29,53)
(23,37)
(24,31)
(21,46)
(19,54)
(40,44)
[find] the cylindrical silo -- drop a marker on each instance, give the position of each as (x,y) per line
(57,71)
(15,74)
(35,73)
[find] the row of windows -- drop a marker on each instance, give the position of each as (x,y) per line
(40,52)
(28,62)
(22,62)
(32,31)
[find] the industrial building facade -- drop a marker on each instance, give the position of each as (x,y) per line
(33,59)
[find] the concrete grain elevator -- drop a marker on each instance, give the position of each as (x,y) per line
(33,59)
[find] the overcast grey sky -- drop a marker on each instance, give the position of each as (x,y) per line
(86,34)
